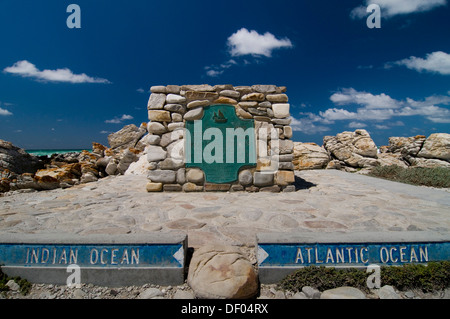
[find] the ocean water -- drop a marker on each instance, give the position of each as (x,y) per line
(50,152)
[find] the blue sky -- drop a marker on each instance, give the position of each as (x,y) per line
(65,88)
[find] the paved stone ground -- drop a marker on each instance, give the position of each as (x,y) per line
(326,200)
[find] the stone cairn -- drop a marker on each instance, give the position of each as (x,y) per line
(171,106)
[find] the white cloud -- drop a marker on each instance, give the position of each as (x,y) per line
(307,124)
(438,62)
(244,42)
(390,8)
(356,125)
(371,108)
(4,112)
(368,100)
(214,73)
(27,69)
(118,120)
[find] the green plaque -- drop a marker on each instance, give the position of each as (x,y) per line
(220,144)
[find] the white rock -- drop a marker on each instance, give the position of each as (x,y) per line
(343,293)
(156,101)
(221,272)
(387,292)
(155,153)
(281,110)
(150,293)
(194,114)
(13,285)
(140,167)
(175,99)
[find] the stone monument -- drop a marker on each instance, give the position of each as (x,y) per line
(219,138)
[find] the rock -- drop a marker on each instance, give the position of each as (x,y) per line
(170,163)
(245,177)
(281,110)
(195,175)
(155,153)
(198,88)
(158,89)
(230,93)
(193,95)
(156,101)
(111,168)
(17,160)
(194,114)
(154,187)
(168,138)
(426,162)
(299,295)
(159,116)
(221,272)
(176,126)
(311,293)
(140,167)
(88,178)
(162,176)
(343,293)
(13,285)
(198,103)
(334,164)
(284,178)
(181,294)
(127,137)
(263,179)
(310,156)
(406,145)
(150,293)
(436,146)
(191,187)
(355,149)
(277,98)
(225,100)
(178,108)
(388,159)
(387,292)
(259,97)
(244,114)
(175,99)
(156,128)
(264,88)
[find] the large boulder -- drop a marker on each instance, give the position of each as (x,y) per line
(18,160)
(127,137)
(309,156)
(221,272)
(388,159)
(436,146)
(406,145)
(355,149)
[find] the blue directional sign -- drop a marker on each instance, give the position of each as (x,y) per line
(350,254)
(93,255)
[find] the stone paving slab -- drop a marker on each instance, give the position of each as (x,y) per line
(326,201)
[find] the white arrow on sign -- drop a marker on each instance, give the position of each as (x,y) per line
(262,255)
(179,255)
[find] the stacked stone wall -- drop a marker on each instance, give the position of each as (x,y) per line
(171,107)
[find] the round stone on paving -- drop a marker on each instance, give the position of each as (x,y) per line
(221,272)
(245,177)
(195,175)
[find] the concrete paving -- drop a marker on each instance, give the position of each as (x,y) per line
(326,201)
